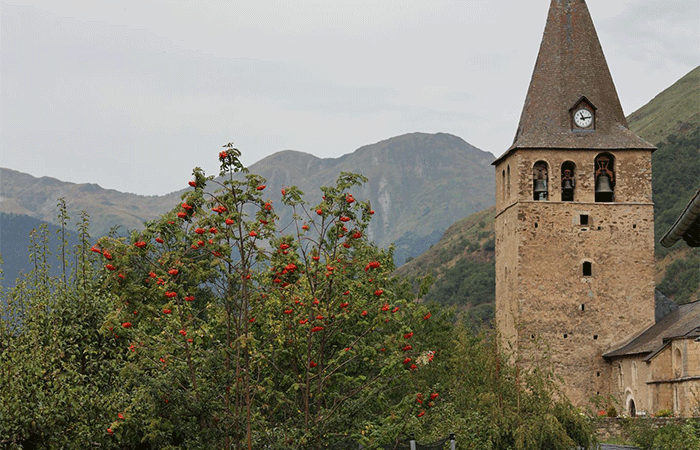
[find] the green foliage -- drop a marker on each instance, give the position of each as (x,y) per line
(683,435)
(462,269)
(664,413)
(57,372)
(676,167)
(492,404)
(272,338)
(480,316)
(466,283)
(680,437)
(682,278)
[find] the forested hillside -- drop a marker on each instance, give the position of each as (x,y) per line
(672,122)
(461,268)
(676,166)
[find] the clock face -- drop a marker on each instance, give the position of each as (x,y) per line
(583,118)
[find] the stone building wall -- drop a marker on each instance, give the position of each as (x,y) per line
(506,276)
(632,374)
(685,354)
(662,369)
(632,170)
(558,308)
(670,380)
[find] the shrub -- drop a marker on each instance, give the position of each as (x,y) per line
(664,413)
(676,436)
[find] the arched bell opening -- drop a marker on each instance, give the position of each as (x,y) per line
(568,181)
(540,181)
(605,178)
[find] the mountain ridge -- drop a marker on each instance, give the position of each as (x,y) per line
(409,176)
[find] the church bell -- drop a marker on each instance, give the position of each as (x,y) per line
(540,187)
(602,185)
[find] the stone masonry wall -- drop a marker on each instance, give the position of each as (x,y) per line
(557,309)
(609,428)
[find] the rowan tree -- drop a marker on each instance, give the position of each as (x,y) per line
(243,332)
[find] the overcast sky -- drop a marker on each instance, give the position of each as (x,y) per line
(133,94)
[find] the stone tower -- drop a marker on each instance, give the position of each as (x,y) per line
(574,214)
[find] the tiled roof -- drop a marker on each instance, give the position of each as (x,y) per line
(570,67)
(684,322)
(687,225)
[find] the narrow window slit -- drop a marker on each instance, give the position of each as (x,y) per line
(587,269)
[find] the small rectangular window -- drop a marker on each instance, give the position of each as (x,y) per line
(583,218)
(587,269)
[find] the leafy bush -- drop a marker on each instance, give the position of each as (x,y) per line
(664,413)
(59,375)
(493,404)
(677,436)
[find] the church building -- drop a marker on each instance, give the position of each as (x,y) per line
(575,231)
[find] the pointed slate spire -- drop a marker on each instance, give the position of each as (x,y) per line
(571,67)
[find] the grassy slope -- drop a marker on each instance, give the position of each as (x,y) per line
(461,266)
(674,111)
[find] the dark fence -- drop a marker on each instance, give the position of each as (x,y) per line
(448,443)
(411,444)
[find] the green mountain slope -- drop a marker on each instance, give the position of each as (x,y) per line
(461,267)
(672,122)
(673,111)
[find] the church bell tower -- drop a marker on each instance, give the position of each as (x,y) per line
(574,215)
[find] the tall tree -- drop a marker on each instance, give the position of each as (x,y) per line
(244,332)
